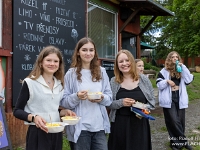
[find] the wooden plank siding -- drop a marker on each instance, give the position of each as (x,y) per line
(17,130)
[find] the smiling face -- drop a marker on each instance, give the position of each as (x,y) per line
(87,52)
(140,66)
(174,58)
(123,63)
(50,64)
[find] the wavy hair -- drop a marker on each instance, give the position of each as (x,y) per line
(94,64)
(38,70)
(133,71)
(170,66)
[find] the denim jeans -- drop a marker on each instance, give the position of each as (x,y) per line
(90,141)
(175,121)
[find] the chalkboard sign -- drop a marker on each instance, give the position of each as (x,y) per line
(39,23)
(109,66)
(5,143)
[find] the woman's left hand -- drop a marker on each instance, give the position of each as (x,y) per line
(96,100)
(67,112)
(127,102)
(40,123)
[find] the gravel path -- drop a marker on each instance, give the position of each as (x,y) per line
(159,133)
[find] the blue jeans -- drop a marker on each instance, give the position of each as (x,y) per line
(90,141)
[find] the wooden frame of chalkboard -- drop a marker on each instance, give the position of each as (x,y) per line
(5,142)
(39,23)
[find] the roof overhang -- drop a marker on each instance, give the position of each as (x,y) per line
(148,7)
(142,8)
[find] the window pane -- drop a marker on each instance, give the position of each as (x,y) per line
(102,29)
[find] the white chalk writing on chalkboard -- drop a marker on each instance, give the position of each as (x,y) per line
(62,11)
(69,61)
(62,2)
(56,41)
(74,35)
(26,47)
(27,57)
(29,24)
(39,23)
(64,22)
(44,6)
(33,37)
(25,12)
(27,66)
(68,52)
(31,3)
(45,17)
(74,15)
(47,29)
(40,48)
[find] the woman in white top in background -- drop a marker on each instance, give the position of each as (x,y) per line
(87,75)
(173,97)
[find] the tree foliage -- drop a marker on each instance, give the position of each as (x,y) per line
(180,32)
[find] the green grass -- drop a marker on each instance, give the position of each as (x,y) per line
(153,82)
(193,88)
(163,129)
(19,148)
(65,144)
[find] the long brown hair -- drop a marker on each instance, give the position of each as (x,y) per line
(118,74)
(170,66)
(94,64)
(38,70)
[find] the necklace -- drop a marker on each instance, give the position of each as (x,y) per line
(49,82)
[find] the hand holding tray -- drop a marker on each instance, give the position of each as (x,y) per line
(141,113)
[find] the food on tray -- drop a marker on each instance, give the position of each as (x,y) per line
(55,127)
(53,124)
(70,118)
(139,105)
(95,93)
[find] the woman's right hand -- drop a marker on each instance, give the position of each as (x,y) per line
(128,102)
(171,83)
(40,123)
(82,95)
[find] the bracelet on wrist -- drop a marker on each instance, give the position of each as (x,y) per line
(33,118)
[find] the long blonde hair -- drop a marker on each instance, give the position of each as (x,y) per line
(133,71)
(170,66)
(94,64)
(38,70)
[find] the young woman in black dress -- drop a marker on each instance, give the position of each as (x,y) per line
(129,132)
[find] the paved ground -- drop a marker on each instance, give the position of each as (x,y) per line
(158,129)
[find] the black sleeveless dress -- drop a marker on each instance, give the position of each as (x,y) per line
(128,132)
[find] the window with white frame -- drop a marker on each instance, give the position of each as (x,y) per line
(1,13)
(102,29)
